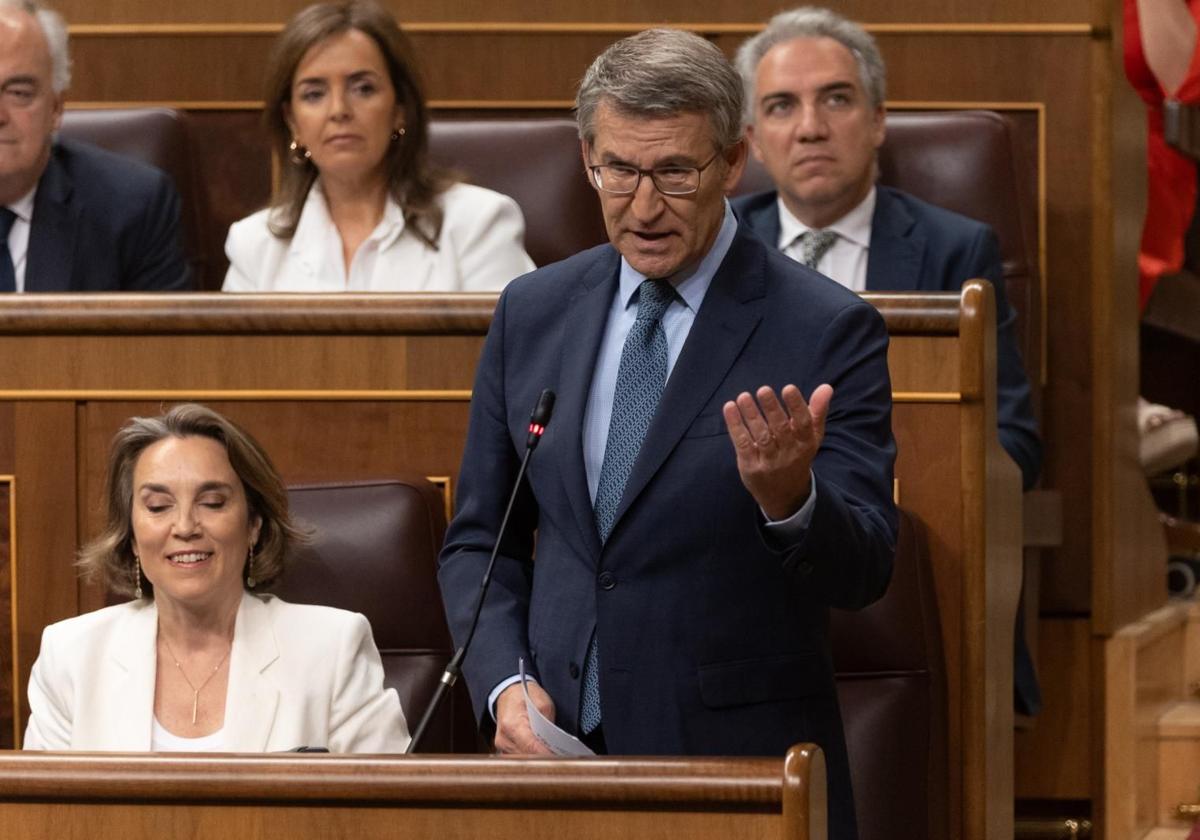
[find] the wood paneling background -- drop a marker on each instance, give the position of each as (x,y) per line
(1060,59)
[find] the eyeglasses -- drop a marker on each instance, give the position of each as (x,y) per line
(669,180)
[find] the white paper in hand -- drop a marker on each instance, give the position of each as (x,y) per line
(559,741)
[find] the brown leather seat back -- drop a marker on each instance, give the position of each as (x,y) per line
(965,161)
(158,137)
(375,552)
(891,681)
(537,162)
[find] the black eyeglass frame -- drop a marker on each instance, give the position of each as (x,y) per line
(597,179)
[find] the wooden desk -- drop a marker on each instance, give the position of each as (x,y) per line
(48,796)
(359,386)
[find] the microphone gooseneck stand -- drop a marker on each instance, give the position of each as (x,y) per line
(537,427)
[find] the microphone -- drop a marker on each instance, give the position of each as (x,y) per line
(538,421)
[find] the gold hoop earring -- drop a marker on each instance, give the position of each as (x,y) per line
(299,154)
(137,573)
(250,581)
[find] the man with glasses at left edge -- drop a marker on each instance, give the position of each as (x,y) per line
(718,470)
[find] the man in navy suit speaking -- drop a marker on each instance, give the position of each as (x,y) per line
(72,217)
(718,470)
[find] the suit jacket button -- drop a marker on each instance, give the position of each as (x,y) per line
(574,671)
(607,580)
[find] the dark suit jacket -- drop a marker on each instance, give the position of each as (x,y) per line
(103,223)
(918,247)
(711,640)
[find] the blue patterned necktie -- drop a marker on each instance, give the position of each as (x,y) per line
(814,244)
(8,273)
(641,376)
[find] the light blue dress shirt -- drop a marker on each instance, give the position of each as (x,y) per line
(691,287)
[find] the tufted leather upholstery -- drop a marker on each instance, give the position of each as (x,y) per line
(375,552)
(159,137)
(538,163)
(964,161)
(891,682)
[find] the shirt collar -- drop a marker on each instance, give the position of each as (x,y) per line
(23,206)
(315,219)
(855,226)
(691,286)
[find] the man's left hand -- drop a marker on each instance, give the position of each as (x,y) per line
(775,444)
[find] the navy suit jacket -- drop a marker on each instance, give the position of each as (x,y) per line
(712,640)
(917,247)
(103,223)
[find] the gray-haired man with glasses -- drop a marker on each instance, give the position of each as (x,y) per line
(718,472)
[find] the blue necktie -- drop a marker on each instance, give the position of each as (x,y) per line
(8,273)
(641,377)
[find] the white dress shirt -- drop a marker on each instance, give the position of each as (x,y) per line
(846,260)
(18,235)
(480,248)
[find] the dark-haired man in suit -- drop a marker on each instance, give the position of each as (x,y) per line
(718,471)
(815,85)
(72,217)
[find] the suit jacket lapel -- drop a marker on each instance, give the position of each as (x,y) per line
(134,663)
(731,310)
(50,259)
(252,698)
(583,327)
(762,217)
(897,247)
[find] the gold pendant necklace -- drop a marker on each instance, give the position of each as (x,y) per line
(195,691)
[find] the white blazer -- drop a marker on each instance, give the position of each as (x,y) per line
(480,249)
(299,675)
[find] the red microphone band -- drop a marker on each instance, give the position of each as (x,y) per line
(536,429)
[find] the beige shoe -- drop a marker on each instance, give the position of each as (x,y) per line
(1167,437)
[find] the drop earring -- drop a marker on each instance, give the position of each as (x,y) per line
(250,581)
(137,577)
(397,134)
(299,154)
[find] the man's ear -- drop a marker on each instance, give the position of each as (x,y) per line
(59,100)
(753,143)
(879,126)
(735,160)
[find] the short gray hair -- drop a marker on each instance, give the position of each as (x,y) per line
(663,72)
(814,22)
(55,30)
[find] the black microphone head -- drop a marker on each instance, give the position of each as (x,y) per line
(543,409)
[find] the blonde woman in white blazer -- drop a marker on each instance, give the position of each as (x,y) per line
(197,520)
(358,207)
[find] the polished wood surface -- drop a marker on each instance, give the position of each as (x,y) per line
(332,403)
(284,796)
(1144,678)
(1054,60)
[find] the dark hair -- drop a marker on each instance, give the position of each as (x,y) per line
(413,181)
(110,557)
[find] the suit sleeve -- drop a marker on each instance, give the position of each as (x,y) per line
(488,239)
(1018,429)
(489,468)
(366,717)
(50,721)
(156,263)
(846,552)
